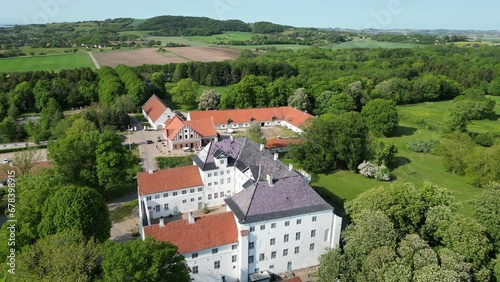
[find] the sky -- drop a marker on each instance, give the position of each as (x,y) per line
(356,14)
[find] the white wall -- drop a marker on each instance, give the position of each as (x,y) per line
(205,262)
(217,181)
(305,258)
(178,203)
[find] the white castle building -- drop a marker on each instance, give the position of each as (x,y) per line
(274,221)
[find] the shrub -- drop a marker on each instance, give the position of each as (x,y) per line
(421,146)
(484,139)
(371,170)
(171,162)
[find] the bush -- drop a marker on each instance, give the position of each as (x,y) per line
(370,170)
(484,139)
(421,146)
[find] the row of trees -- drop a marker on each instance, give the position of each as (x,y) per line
(405,233)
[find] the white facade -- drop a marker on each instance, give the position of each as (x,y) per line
(159,123)
(214,263)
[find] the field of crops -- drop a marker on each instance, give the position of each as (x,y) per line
(54,63)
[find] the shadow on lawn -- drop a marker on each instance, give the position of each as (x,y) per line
(399,161)
(404,131)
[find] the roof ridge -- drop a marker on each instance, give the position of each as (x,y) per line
(250,203)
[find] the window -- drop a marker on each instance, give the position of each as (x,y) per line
(209,184)
(285,238)
(184,201)
(216,182)
(165,195)
(149,208)
(297,236)
(222,194)
(273,255)
(175,193)
(313,233)
(200,198)
(221,181)
(215,251)
(252,228)
(228,192)
(314,218)
(271,266)
(261,257)
(157,197)
(299,221)
(210,196)
(217,264)
(227,171)
(263,227)
(165,207)
(234,247)
(157,208)
(191,191)
(229,180)
(209,175)
(195,269)
(233,258)
(250,259)
(222,173)
(184,192)
(221,161)
(327,235)
(216,195)
(148,198)
(285,252)
(200,189)
(194,255)
(311,247)
(216,173)
(287,223)
(297,249)
(251,245)
(192,199)
(273,241)
(273,225)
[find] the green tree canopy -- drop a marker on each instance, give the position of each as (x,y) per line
(185,92)
(381,116)
(209,100)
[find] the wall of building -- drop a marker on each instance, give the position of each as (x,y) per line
(205,260)
(173,202)
(309,248)
(219,183)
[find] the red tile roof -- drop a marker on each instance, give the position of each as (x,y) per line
(295,279)
(207,232)
(154,108)
(205,127)
(280,143)
(168,180)
(289,114)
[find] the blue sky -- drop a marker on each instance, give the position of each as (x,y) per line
(389,14)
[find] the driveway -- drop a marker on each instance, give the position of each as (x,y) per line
(148,151)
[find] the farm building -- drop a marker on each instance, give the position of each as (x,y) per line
(192,134)
(156,112)
(272,221)
(287,117)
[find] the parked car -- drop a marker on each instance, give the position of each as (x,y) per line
(6,161)
(230,131)
(149,142)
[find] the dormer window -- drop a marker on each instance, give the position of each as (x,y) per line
(229,121)
(221,162)
(252,119)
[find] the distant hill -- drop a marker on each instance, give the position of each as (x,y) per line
(190,26)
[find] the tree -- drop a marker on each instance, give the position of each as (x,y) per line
(381,116)
(209,100)
(453,148)
(25,160)
(487,211)
(358,93)
(65,256)
(185,92)
(42,93)
(254,132)
(341,103)
(250,92)
(301,100)
(158,80)
(146,260)
(383,153)
(78,209)
(494,87)
(482,165)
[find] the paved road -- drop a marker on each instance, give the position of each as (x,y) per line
(148,151)
(96,63)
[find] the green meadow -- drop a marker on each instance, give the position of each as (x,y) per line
(53,63)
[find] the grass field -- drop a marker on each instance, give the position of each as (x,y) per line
(368,43)
(54,63)
(178,40)
(227,36)
(123,212)
(421,121)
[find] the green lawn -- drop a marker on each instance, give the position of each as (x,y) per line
(55,63)
(123,212)
(278,46)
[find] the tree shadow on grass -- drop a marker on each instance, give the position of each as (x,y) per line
(399,161)
(332,199)
(404,131)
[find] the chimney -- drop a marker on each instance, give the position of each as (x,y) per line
(191,218)
(231,137)
(270,180)
(150,171)
(162,222)
(276,156)
(261,147)
(290,166)
(216,139)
